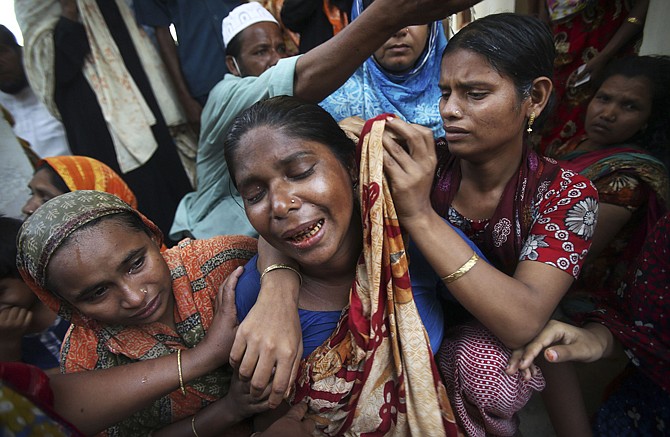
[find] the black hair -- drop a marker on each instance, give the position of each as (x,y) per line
(9,229)
(656,70)
(517,46)
(294,118)
(54,177)
(7,37)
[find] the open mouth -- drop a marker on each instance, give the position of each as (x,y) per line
(307,233)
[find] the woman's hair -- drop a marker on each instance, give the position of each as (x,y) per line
(295,119)
(9,229)
(54,177)
(520,47)
(656,69)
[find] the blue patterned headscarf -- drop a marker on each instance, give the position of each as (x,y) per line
(414,96)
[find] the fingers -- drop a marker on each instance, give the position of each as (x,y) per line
(294,370)
(227,290)
(297,412)
(418,160)
(247,365)
(260,379)
(238,350)
(15,318)
(420,141)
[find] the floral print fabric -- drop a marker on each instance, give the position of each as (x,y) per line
(625,176)
(376,375)
(546,214)
(637,316)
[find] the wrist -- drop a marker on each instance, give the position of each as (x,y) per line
(603,338)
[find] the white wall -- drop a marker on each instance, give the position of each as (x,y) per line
(656,39)
(487,7)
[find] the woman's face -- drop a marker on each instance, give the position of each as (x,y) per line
(400,52)
(42,189)
(298,196)
(620,109)
(113,274)
(480,109)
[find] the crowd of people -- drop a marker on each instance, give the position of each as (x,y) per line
(327,218)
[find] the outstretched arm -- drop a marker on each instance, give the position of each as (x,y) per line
(323,69)
(563,342)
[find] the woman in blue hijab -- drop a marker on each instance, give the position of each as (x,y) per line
(401,78)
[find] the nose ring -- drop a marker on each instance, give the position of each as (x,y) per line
(457,113)
(143,290)
(292,200)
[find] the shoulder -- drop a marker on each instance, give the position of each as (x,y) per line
(210,252)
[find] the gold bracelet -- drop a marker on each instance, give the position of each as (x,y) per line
(181,379)
(195,433)
(462,270)
(281,266)
(634,20)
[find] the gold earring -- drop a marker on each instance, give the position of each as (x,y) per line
(531,120)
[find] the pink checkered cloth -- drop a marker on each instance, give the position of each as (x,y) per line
(485,399)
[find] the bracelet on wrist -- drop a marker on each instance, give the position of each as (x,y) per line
(281,266)
(462,270)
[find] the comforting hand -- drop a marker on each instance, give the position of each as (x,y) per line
(409,164)
(293,424)
(268,345)
(562,342)
(240,403)
(221,333)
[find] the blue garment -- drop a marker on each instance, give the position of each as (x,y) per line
(42,349)
(317,326)
(202,54)
(414,96)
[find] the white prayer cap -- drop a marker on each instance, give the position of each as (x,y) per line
(242,17)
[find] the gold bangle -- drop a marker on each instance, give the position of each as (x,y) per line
(181,379)
(462,270)
(281,266)
(195,433)
(634,20)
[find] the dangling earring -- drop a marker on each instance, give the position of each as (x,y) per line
(531,120)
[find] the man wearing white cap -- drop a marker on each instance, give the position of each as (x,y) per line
(255,55)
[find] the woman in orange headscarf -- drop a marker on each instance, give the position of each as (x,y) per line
(61,174)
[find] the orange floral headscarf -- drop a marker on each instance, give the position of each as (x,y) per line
(84,173)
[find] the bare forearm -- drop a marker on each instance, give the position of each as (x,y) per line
(95,400)
(627,30)
(210,421)
(514,311)
(323,69)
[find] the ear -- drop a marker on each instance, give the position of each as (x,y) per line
(232,67)
(539,95)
